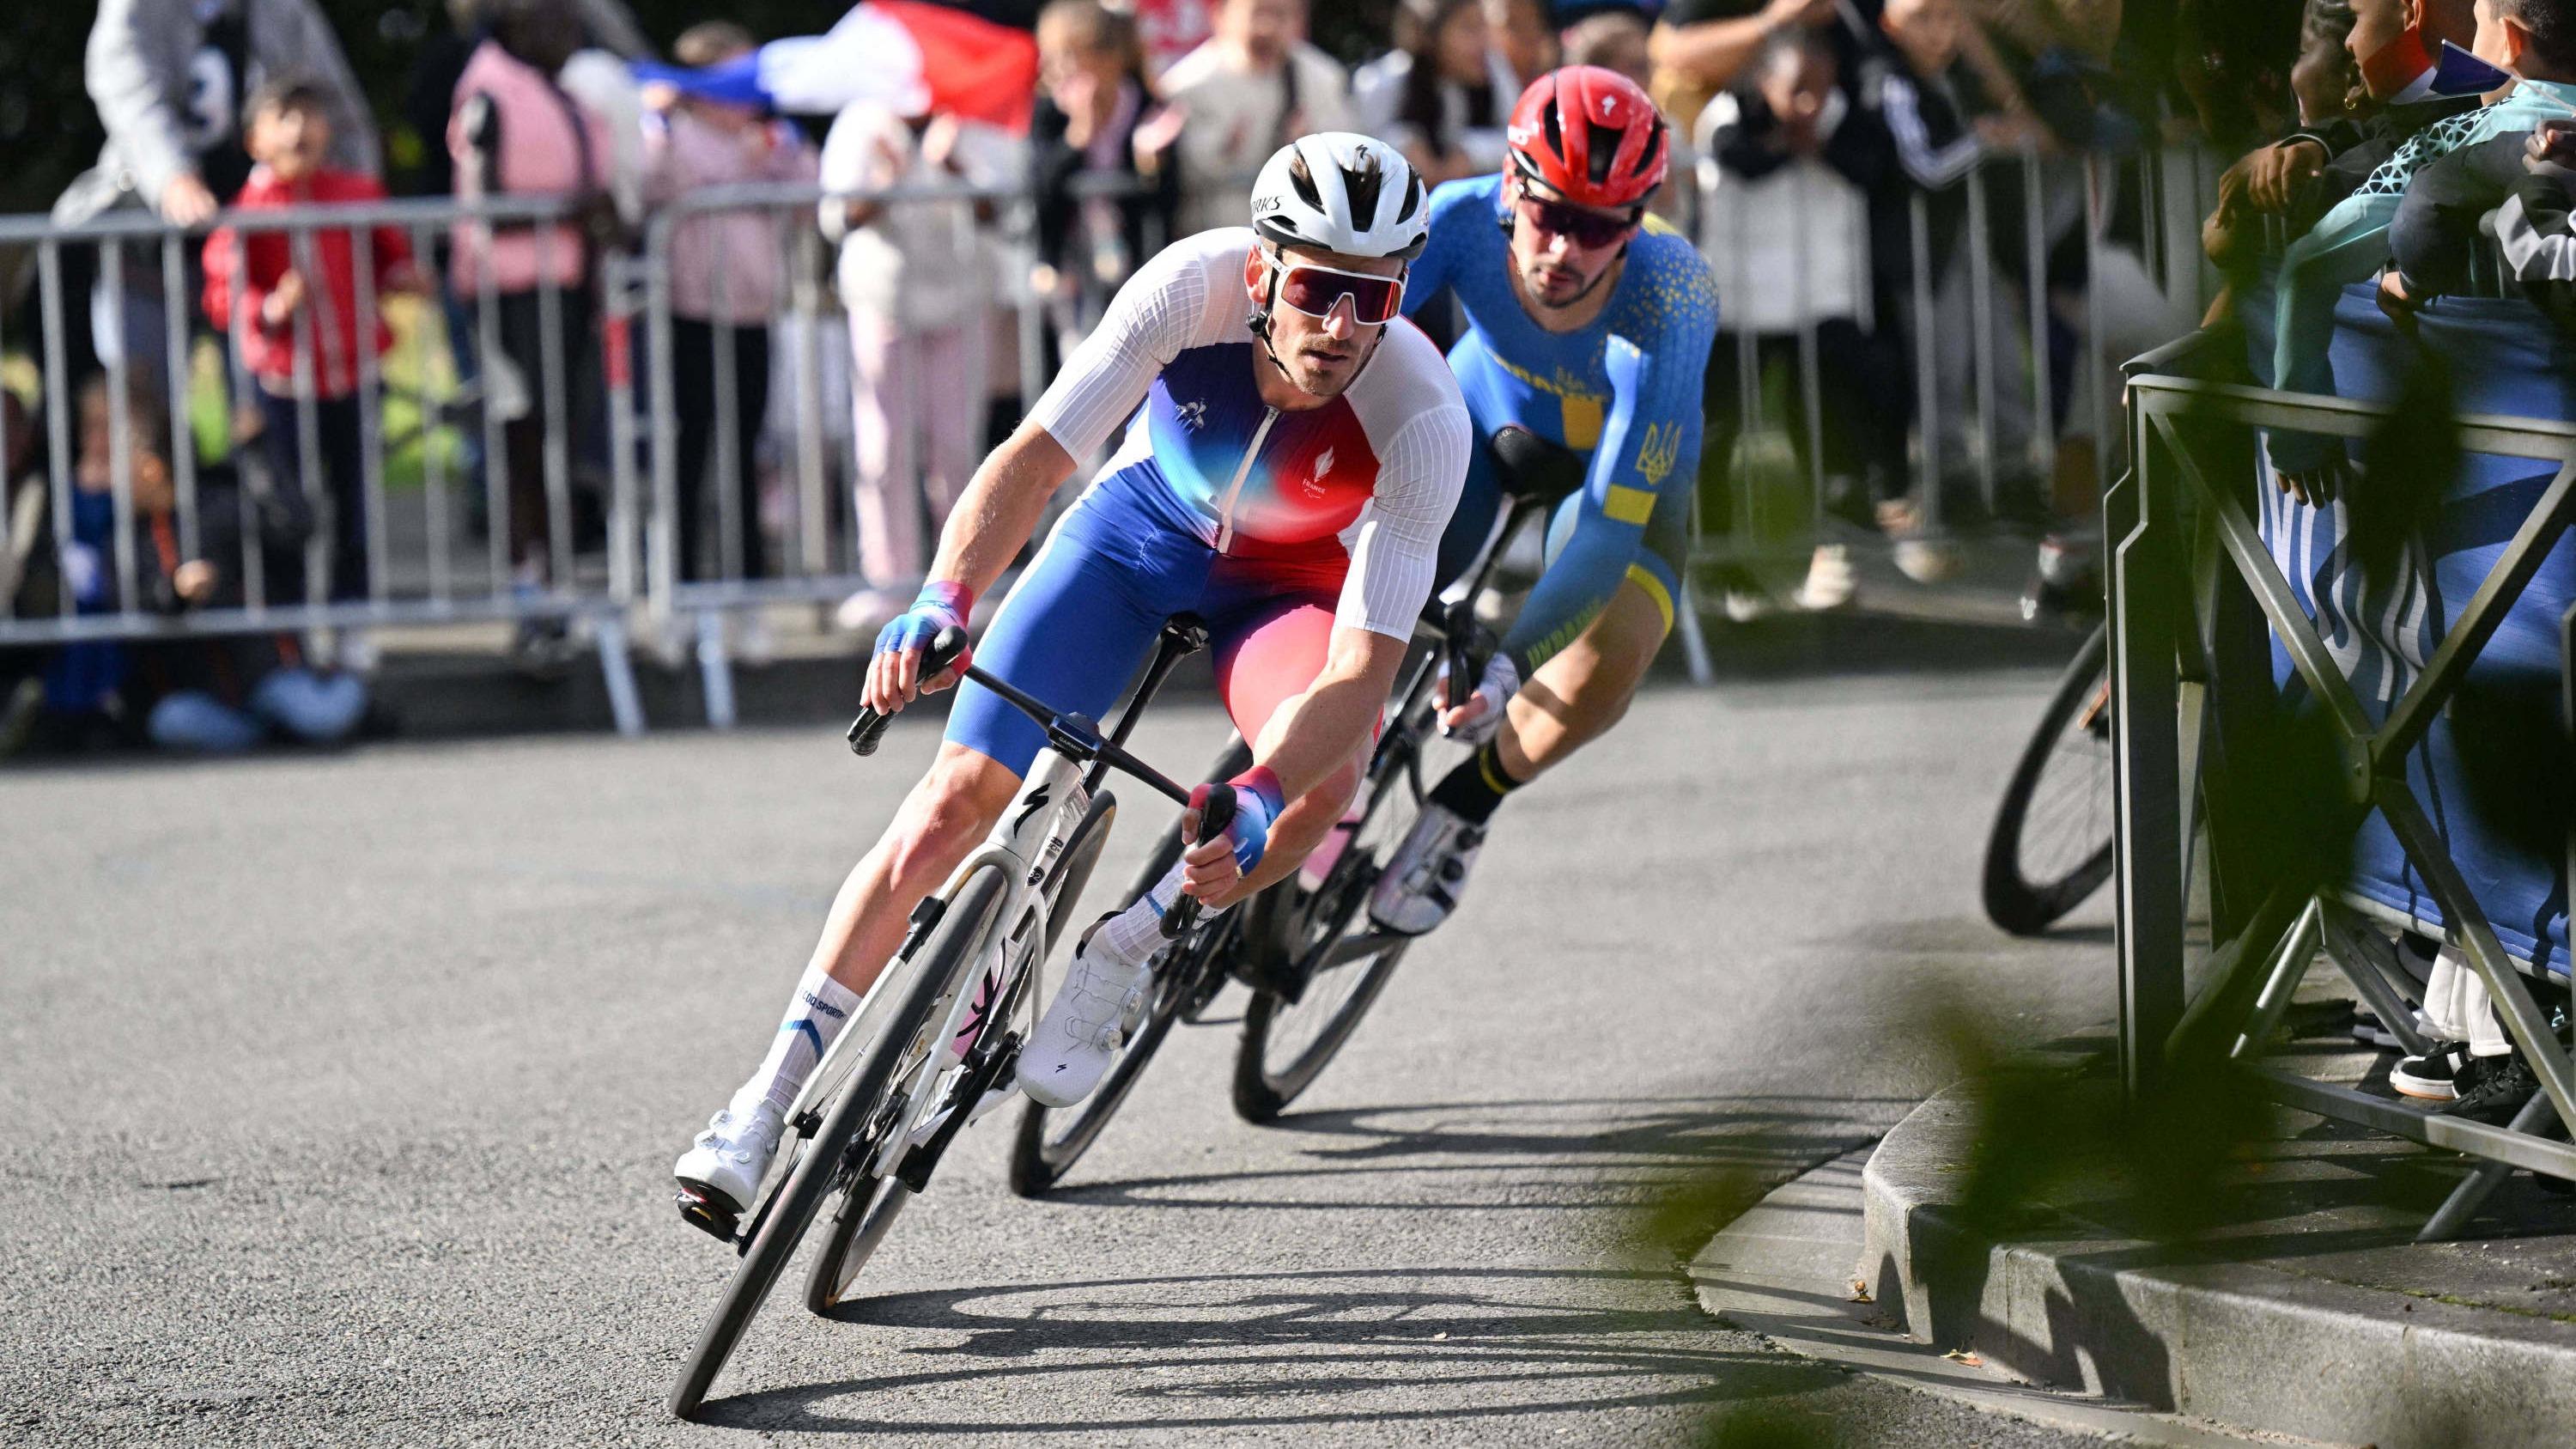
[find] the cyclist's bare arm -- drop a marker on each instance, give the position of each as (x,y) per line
(999,512)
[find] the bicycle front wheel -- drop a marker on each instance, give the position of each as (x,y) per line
(2051,843)
(850,1125)
(1050,1141)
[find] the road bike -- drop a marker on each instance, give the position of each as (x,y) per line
(935,1044)
(1305,947)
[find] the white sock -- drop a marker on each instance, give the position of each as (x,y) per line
(1131,937)
(815,1016)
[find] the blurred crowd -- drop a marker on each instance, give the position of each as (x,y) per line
(1834,143)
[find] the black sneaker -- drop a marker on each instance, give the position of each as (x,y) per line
(2370,1031)
(2492,1089)
(2434,1076)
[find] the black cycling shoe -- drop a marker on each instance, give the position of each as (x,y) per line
(2492,1089)
(2432,1077)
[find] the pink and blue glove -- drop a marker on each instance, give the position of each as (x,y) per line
(941,604)
(1258,799)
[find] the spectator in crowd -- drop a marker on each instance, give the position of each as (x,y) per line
(912,279)
(1170,29)
(28,583)
(2534,228)
(1700,47)
(516,132)
(213,693)
(1786,233)
(1526,35)
(168,77)
(2388,46)
(1253,87)
(1451,93)
(297,330)
(1617,40)
(2533,39)
(1926,98)
(727,282)
(1093,99)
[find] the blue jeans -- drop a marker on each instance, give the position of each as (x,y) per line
(297,703)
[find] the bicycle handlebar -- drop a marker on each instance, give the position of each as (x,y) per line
(1073,734)
(868,730)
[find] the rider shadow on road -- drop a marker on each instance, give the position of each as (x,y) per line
(1262,1350)
(1571,1154)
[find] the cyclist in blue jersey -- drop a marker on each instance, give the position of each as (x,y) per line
(1589,324)
(1293,450)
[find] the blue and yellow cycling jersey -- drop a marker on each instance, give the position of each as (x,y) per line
(1625,390)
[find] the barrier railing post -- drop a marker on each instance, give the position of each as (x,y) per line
(371,434)
(1981,310)
(428,408)
(1927,390)
(2138,526)
(813,503)
(120,423)
(183,438)
(2043,433)
(58,429)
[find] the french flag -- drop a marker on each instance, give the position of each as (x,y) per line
(910,55)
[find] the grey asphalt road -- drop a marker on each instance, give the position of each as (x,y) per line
(341,1094)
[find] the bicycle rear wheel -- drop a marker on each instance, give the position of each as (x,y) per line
(840,1145)
(2051,843)
(1338,962)
(1051,1140)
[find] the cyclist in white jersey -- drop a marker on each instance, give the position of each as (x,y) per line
(1299,450)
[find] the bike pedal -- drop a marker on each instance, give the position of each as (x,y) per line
(707,1216)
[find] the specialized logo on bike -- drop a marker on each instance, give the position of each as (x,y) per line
(1315,471)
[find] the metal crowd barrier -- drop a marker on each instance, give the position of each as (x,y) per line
(819,558)
(2186,561)
(1991,370)
(431,579)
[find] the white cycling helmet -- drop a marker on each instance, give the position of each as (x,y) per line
(1343,193)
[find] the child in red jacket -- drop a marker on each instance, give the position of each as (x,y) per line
(289,301)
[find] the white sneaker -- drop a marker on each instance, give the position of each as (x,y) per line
(1423,882)
(1090,1016)
(728,1160)
(1830,580)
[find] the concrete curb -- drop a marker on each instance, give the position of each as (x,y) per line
(2240,1343)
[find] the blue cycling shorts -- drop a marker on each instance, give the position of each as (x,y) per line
(1123,560)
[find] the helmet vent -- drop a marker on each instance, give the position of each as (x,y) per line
(1555,131)
(1304,180)
(1412,197)
(1363,181)
(1604,151)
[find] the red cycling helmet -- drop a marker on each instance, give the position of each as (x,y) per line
(1591,136)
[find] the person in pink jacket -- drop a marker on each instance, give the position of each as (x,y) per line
(727,281)
(516,132)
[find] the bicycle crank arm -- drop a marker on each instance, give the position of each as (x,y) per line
(1359,948)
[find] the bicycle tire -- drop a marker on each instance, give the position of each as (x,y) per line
(2014,901)
(1261,1090)
(947,953)
(868,1208)
(1051,1140)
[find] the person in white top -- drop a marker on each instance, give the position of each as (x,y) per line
(913,281)
(1243,94)
(1293,452)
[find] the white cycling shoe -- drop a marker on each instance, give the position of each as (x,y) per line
(727,1161)
(1428,875)
(1098,1005)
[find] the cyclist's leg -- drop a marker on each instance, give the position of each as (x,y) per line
(1580,692)
(1263,661)
(1072,633)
